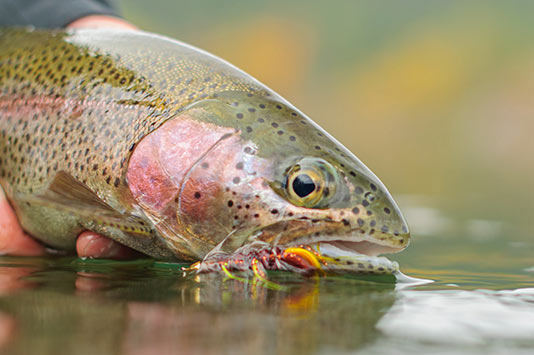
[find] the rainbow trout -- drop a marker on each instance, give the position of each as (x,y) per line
(179,155)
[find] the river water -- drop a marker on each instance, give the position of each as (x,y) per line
(480,301)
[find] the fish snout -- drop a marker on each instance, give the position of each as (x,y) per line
(381,220)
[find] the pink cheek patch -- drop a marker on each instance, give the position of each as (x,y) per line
(160,162)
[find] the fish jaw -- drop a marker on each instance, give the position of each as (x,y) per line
(323,258)
(334,247)
(351,227)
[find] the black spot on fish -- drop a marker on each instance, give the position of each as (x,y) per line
(387,210)
(239,166)
(355,210)
(236,180)
(197,195)
(230,203)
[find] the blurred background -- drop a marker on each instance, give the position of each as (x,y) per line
(436,97)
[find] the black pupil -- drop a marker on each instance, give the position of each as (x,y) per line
(303,185)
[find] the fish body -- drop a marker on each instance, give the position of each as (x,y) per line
(174,152)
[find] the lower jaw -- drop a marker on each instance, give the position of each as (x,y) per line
(319,258)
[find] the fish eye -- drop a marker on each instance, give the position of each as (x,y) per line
(303,185)
(311,183)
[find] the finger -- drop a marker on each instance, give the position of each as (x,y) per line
(13,240)
(100,21)
(93,245)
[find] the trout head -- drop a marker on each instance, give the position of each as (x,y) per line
(240,169)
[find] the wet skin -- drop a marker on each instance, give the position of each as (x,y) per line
(14,241)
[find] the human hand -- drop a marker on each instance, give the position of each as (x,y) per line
(99,21)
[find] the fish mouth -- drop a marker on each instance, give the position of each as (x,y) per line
(340,256)
(327,247)
(341,247)
(364,247)
(349,252)
(348,243)
(332,235)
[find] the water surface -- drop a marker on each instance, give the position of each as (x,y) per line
(481,302)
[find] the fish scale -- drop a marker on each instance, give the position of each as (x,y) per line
(95,91)
(171,151)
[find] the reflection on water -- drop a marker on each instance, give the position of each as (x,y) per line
(481,302)
(146,307)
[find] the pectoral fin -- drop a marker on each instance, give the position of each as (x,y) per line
(66,194)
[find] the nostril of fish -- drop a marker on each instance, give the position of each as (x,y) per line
(370,197)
